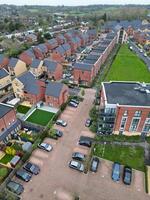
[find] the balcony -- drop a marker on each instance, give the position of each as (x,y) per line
(103,113)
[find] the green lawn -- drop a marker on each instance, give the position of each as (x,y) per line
(23,109)
(131,156)
(127,66)
(3,173)
(40,117)
(7,158)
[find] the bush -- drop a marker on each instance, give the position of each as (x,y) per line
(10,151)
(82,92)
(93,127)
(93,113)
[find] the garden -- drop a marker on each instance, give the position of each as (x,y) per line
(40,117)
(23,109)
(125,155)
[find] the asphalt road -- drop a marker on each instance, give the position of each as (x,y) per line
(141,55)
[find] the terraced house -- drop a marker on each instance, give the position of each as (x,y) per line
(3,61)
(125,108)
(16,67)
(5,82)
(9,125)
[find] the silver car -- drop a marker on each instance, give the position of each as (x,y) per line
(45,146)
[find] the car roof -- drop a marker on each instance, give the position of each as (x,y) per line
(75,163)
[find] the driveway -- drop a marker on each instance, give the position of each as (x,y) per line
(57,181)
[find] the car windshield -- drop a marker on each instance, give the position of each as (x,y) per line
(32,168)
(24,175)
(94,164)
(15,186)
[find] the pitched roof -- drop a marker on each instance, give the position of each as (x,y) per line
(42,48)
(13,62)
(30,53)
(52,41)
(83,66)
(35,63)
(66,46)
(51,65)
(1,58)
(32,36)
(54,89)
(61,37)
(3,73)
(4,109)
(29,82)
(127,93)
(60,50)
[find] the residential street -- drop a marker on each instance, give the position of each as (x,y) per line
(57,179)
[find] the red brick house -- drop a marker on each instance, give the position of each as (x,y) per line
(74,45)
(3,61)
(27,56)
(92,34)
(140,37)
(56,94)
(83,73)
(68,36)
(40,51)
(60,39)
(27,87)
(125,108)
(9,124)
(53,69)
(31,38)
(67,49)
(51,44)
(58,54)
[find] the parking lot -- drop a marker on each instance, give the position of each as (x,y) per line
(57,181)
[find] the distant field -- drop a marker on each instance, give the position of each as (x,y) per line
(127,66)
(40,117)
(23,109)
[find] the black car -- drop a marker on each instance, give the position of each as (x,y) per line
(59,133)
(127,175)
(78,156)
(94,164)
(86,143)
(15,187)
(88,122)
(32,168)
(22,174)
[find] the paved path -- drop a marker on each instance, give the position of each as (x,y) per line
(57,181)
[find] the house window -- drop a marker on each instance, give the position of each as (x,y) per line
(134,124)
(123,123)
(125,113)
(149,115)
(146,127)
(137,113)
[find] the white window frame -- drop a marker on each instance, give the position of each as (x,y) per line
(122,129)
(137,125)
(145,124)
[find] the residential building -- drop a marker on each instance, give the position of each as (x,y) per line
(53,69)
(16,67)
(28,88)
(31,38)
(56,94)
(52,44)
(60,39)
(83,73)
(40,51)
(3,61)
(5,82)
(27,56)
(59,54)
(67,49)
(9,125)
(36,67)
(125,108)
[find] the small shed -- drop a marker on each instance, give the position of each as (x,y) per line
(27,147)
(14,161)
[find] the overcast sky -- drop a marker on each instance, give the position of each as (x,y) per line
(72,2)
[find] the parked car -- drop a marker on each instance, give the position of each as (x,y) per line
(32,168)
(86,143)
(94,164)
(75,101)
(127,175)
(88,122)
(116,171)
(45,146)
(76,165)
(61,122)
(145,55)
(73,104)
(141,50)
(78,156)
(15,187)
(59,133)
(22,174)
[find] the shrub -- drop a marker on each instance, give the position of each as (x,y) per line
(82,92)
(10,151)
